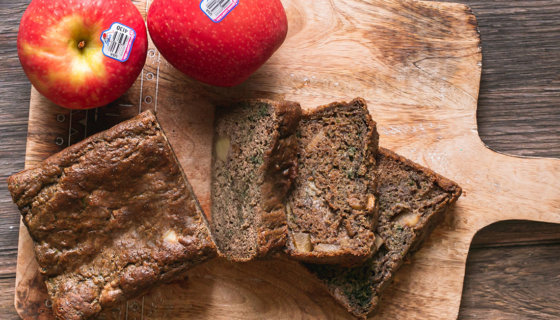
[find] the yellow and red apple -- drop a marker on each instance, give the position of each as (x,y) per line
(219,42)
(61,48)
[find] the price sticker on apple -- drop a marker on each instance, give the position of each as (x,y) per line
(217,10)
(117,41)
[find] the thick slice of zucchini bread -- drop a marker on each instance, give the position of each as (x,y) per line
(413,200)
(110,217)
(332,209)
(253,165)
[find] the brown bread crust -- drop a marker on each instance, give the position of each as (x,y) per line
(280,170)
(347,200)
(264,227)
(413,200)
(110,217)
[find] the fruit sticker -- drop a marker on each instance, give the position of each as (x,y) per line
(217,10)
(117,41)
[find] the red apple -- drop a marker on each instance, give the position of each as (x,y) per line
(222,45)
(61,51)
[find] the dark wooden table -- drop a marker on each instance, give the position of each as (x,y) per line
(513,269)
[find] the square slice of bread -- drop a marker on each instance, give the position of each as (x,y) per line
(332,208)
(413,200)
(253,166)
(110,217)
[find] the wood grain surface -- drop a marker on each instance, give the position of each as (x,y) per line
(10,136)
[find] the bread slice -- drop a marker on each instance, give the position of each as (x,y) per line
(332,208)
(111,217)
(253,166)
(412,201)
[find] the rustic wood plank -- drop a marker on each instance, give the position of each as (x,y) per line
(514,282)
(520,87)
(516,233)
(14,106)
(512,272)
(419,67)
(7,310)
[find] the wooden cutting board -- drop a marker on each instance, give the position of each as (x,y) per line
(417,64)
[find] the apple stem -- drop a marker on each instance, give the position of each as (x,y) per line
(81,44)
